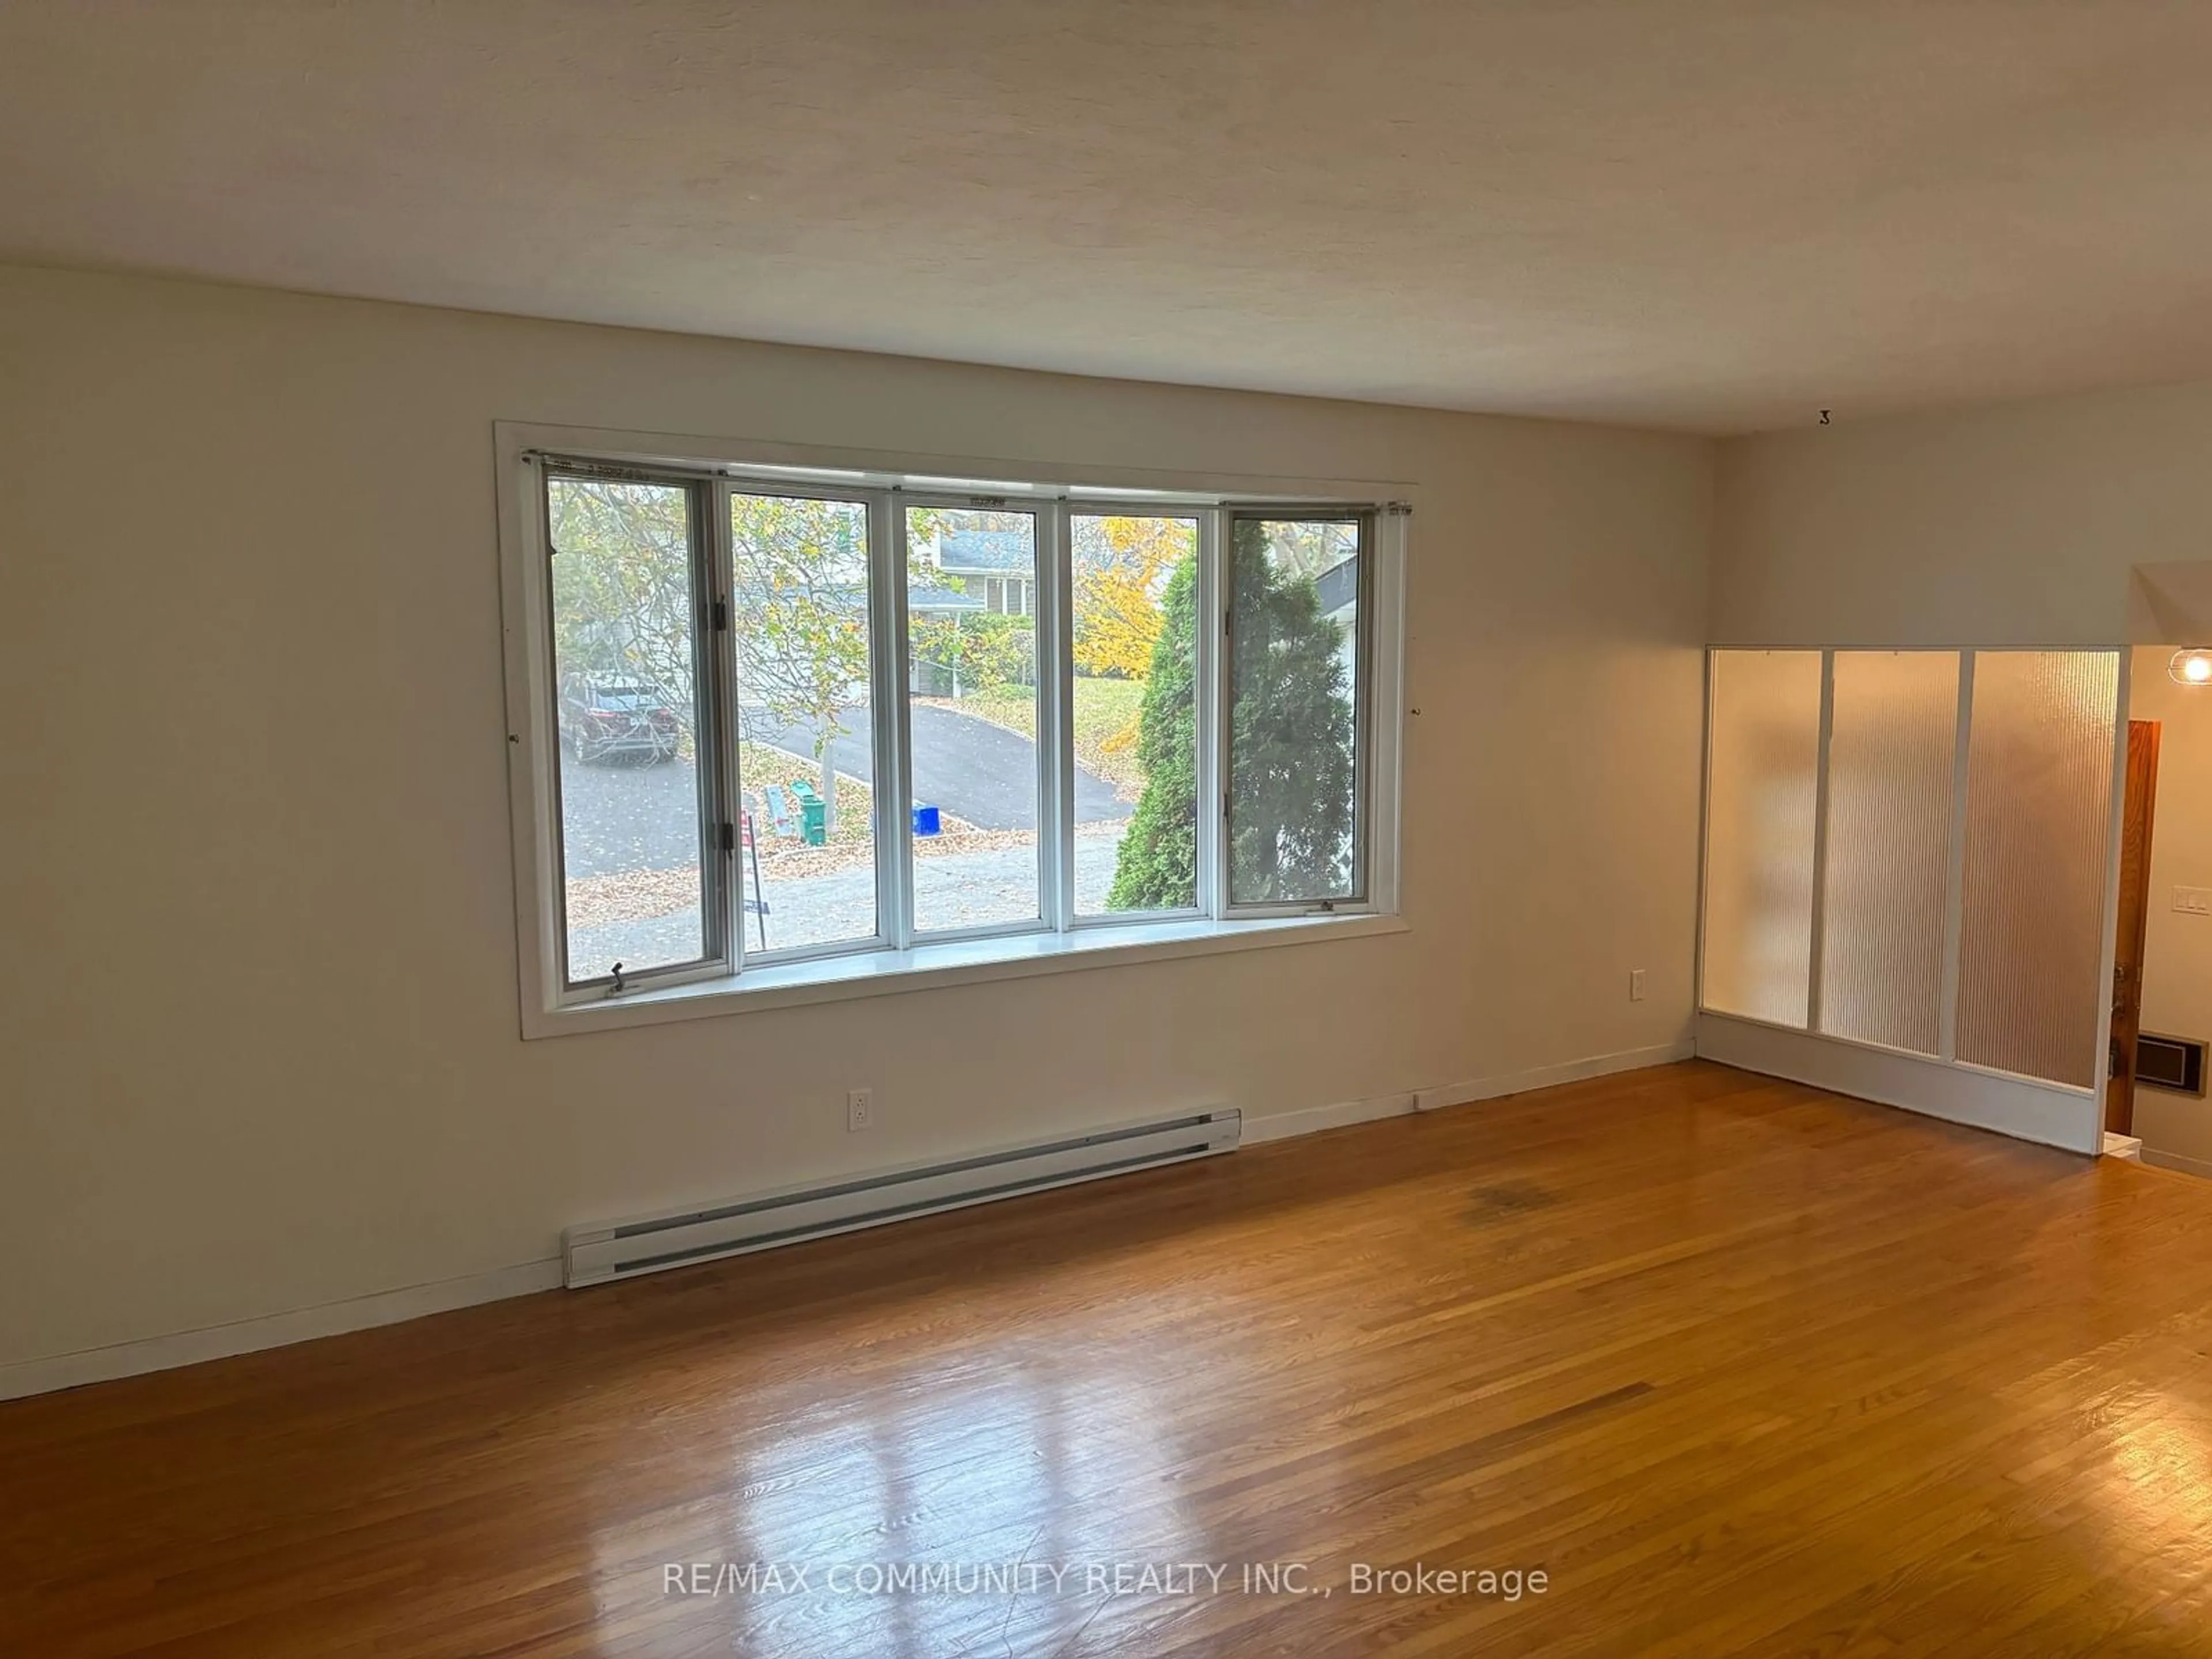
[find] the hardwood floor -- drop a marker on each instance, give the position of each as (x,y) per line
(1742,1367)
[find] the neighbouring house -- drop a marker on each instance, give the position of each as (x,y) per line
(987,572)
(999,566)
(930,679)
(1339,589)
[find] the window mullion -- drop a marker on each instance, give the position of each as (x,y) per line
(724,792)
(1210,671)
(891,676)
(1056,655)
(1363,704)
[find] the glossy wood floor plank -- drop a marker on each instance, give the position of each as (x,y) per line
(1743,1368)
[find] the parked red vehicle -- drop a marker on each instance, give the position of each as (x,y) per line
(600,719)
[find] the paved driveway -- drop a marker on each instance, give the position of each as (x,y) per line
(623,816)
(972,769)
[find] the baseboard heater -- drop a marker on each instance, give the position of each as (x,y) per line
(595,1253)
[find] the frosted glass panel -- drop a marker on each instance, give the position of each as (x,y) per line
(2039,805)
(1760,800)
(1892,746)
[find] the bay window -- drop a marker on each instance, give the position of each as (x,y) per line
(777,726)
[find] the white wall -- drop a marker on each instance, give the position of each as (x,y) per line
(2177,947)
(259,996)
(2074,520)
(2016,525)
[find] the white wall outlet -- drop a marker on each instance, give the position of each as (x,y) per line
(1635,985)
(859,1111)
(2193,901)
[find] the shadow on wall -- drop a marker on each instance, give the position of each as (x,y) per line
(2169,605)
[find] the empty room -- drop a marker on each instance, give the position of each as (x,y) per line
(1080,828)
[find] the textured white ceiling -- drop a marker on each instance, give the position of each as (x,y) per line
(1714,216)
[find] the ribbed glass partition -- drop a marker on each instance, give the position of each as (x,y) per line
(1893,747)
(1761,796)
(2038,829)
(1854,890)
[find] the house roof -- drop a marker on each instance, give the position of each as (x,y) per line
(1338,586)
(940,599)
(992,552)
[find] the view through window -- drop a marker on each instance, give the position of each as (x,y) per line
(972,718)
(625,649)
(1134,713)
(728,706)
(798,609)
(1293,713)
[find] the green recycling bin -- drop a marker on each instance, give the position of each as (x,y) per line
(813,815)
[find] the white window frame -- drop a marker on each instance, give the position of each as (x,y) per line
(1207,670)
(1369,520)
(898,958)
(882,693)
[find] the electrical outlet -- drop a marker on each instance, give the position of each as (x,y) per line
(1635,985)
(859,1111)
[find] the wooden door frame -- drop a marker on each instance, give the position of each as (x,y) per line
(2138,812)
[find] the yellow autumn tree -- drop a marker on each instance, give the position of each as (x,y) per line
(1121,568)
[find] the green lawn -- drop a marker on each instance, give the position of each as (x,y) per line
(1105,724)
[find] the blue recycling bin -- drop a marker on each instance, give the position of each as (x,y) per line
(926,821)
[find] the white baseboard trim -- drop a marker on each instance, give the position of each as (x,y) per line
(1547,1077)
(1313,1119)
(2195,1166)
(161,1353)
(2016,1106)
(360,1313)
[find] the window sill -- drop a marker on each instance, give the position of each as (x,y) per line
(932,967)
